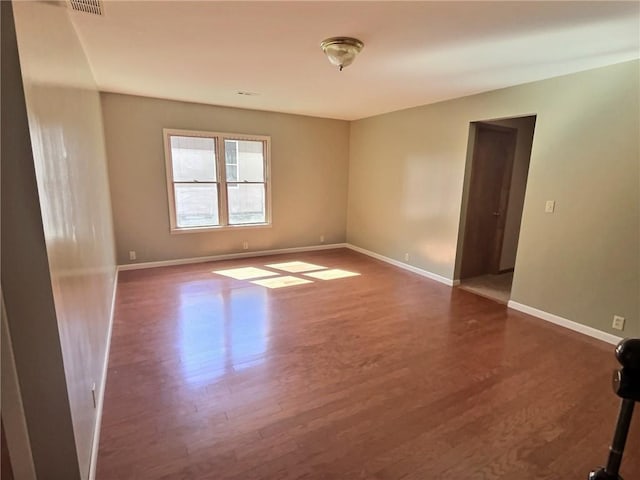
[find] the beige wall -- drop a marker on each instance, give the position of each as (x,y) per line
(309,166)
(26,284)
(65,123)
(582,262)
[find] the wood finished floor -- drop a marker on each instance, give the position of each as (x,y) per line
(382,376)
(494,287)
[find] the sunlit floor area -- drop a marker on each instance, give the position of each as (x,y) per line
(353,370)
(495,287)
(275,278)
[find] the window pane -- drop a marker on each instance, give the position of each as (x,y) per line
(231,160)
(246,204)
(196,205)
(193,158)
(244,160)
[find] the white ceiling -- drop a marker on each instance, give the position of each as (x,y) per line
(415,52)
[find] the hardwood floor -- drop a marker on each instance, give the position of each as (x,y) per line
(494,287)
(385,375)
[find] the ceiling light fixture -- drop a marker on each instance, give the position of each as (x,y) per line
(341,51)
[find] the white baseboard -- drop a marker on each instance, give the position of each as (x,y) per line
(103,383)
(404,266)
(563,322)
(228,256)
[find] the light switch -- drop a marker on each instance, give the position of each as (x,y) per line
(618,322)
(549,206)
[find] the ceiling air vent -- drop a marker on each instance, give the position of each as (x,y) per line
(87,6)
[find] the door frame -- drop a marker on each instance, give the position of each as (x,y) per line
(505,188)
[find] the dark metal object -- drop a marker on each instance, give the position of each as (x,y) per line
(626,384)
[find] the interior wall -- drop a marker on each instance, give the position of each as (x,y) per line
(67,137)
(406,176)
(309,169)
(26,285)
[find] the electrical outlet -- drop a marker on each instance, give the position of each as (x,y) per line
(618,322)
(406,257)
(321,238)
(245,245)
(132,254)
(93,394)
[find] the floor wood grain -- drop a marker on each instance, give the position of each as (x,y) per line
(381,376)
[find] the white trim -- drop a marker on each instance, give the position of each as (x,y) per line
(563,322)
(103,382)
(228,256)
(180,231)
(404,266)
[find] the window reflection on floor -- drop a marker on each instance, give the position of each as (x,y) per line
(229,331)
(245,273)
(295,267)
(279,282)
(332,274)
(271,279)
(248,323)
(220,333)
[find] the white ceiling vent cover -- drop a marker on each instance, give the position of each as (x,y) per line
(87,6)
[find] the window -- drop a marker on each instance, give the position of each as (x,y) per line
(216,180)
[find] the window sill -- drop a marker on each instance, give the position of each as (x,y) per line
(179,231)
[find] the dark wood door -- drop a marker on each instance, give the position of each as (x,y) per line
(491,169)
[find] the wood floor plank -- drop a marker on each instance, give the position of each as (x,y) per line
(385,375)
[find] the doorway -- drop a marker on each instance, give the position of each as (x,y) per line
(493,199)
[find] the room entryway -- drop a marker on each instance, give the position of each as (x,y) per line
(495,183)
(496,287)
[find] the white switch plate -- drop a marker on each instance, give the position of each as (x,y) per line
(618,322)
(132,254)
(549,206)
(245,245)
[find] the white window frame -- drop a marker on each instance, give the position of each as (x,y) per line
(237,165)
(221,179)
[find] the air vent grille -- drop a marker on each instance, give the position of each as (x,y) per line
(87,6)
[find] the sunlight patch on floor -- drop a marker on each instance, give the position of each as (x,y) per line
(295,267)
(271,279)
(280,282)
(245,273)
(331,274)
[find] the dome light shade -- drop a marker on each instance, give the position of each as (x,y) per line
(341,51)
